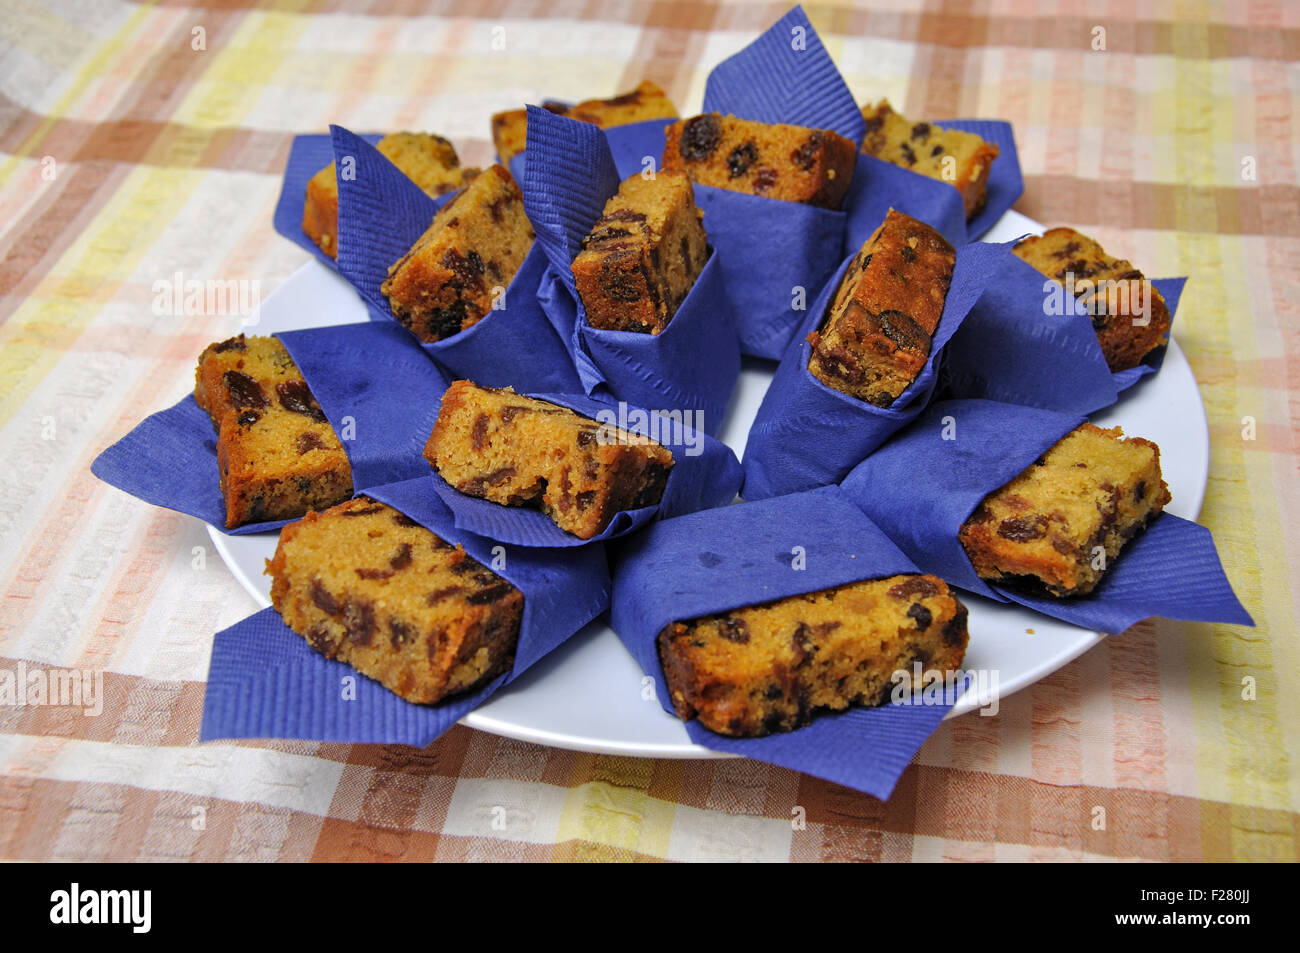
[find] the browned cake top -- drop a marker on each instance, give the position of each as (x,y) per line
(923,146)
(375,552)
(773,160)
(768,667)
(905,267)
(1093,488)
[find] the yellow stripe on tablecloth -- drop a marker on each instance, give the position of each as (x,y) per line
(148,199)
(615,810)
(97,65)
(1241,751)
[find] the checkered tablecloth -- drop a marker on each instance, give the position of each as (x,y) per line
(143,143)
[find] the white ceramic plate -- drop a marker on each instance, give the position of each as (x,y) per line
(587,694)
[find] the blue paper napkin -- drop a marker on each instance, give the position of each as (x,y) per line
(777,255)
(1028,342)
(721,559)
(636,147)
(378,391)
(381,214)
(785,75)
(266,682)
(922,485)
(692,365)
(807,434)
(307,156)
(878,185)
(705,474)
(1011,349)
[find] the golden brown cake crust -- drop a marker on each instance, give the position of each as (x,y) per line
(644,103)
(647,101)
(1125,302)
(520,451)
(277,455)
(768,668)
(1064,520)
(641,258)
(460,268)
(877,333)
(364,584)
(791,163)
(960,159)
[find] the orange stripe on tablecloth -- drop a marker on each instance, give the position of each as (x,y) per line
(1052,819)
(1246,209)
(952,25)
(57,220)
(88,154)
(75,821)
(668,50)
(174,723)
(140,112)
(1140,747)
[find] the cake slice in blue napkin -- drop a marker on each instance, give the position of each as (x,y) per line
(377,389)
(809,434)
(777,255)
(307,156)
(753,553)
(879,185)
(266,681)
(929,479)
(692,364)
(382,214)
(1028,342)
(705,473)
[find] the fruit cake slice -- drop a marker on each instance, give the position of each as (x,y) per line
(429,161)
(792,163)
(461,266)
(520,451)
(1062,521)
(642,256)
(876,336)
(277,455)
(1128,313)
(961,159)
(647,101)
(366,585)
(767,668)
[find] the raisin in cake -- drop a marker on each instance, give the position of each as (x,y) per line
(277,455)
(1062,521)
(768,668)
(877,333)
(647,101)
(961,159)
(519,451)
(641,258)
(429,161)
(461,266)
(792,163)
(1128,312)
(366,585)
